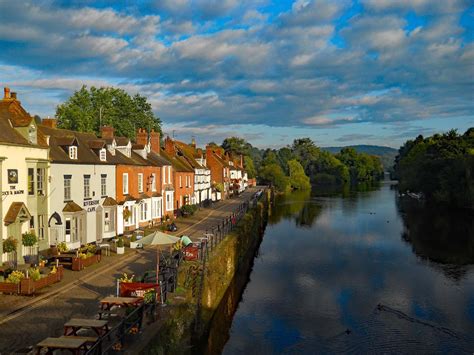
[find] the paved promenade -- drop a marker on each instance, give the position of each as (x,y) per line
(24,321)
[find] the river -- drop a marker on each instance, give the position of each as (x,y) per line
(357,272)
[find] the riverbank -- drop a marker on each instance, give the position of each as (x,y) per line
(191,311)
(27,320)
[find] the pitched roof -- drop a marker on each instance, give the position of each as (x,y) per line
(71,206)
(157,159)
(109,201)
(13,212)
(189,154)
(178,164)
(96,144)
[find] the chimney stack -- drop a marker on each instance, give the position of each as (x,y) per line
(193,143)
(6,93)
(142,137)
(107,132)
(241,161)
(49,122)
(169,146)
(155,141)
(13,95)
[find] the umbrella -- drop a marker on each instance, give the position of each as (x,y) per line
(158,238)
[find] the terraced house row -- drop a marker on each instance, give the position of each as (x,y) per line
(77,188)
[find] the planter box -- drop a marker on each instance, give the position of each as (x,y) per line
(28,286)
(78,264)
(120,250)
(7,287)
(135,245)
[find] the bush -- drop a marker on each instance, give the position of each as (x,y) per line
(15,277)
(120,243)
(133,238)
(188,209)
(62,247)
(34,273)
(9,245)
(29,239)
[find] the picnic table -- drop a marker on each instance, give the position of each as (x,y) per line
(74,345)
(101,327)
(126,302)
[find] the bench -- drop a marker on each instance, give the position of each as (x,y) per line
(89,340)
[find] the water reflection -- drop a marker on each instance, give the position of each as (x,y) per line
(439,235)
(326,263)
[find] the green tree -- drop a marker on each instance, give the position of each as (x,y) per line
(273,175)
(249,167)
(298,179)
(87,109)
(236,146)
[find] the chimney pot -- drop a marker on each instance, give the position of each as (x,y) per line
(6,93)
(13,95)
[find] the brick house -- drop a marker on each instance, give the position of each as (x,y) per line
(220,169)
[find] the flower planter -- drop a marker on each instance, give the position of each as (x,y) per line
(120,250)
(28,287)
(7,287)
(78,264)
(134,245)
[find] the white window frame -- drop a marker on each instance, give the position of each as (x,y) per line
(153,182)
(40,172)
(140,182)
(125,183)
(41,227)
(180,182)
(169,174)
(103,154)
(143,212)
(67,189)
(31,181)
(87,186)
(103,185)
(73,152)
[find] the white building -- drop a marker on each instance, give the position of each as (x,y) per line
(82,187)
(24,178)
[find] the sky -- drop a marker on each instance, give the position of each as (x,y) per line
(340,72)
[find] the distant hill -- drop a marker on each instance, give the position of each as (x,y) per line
(387,155)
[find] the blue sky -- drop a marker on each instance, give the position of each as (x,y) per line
(340,72)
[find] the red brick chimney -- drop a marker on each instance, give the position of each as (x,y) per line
(13,95)
(107,132)
(142,137)
(169,146)
(49,122)
(155,141)
(6,93)
(209,151)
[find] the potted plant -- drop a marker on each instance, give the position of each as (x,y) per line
(120,246)
(133,241)
(9,245)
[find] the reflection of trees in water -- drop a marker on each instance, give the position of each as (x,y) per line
(296,205)
(440,235)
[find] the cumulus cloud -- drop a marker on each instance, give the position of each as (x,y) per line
(317,64)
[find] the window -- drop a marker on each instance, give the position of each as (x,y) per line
(87,186)
(67,187)
(153,182)
(32,134)
(68,226)
(32,222)
(140,182)
(103,185)
(109,225)
(225,172)
(169,174)
(102,155)
(169,205)
(41,227)
(143,211)
(125,184)
(180,182)
(40,181)
(31,181)
(73,152)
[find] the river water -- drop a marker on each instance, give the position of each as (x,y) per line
(357,272)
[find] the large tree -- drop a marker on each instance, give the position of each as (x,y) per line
(89,109)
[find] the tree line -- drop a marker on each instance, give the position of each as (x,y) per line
(440,166)
(304,164)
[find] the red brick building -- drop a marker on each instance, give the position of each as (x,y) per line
(220,169)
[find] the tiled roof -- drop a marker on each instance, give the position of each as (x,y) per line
(96,144)
(178,164)
(71,206)
(13,212)
(121,141)
(109,201)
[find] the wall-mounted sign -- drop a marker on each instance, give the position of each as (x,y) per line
(91,205)
(12,176)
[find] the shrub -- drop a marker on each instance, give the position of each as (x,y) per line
(120,243)
(125,278)
(15,277)
(62,247)
(9,245)
(34,273)
(133,238)
(29,239)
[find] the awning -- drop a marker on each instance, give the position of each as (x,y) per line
(17,210)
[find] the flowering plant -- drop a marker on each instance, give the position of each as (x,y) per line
(125,278)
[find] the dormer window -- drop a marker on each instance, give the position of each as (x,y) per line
(103,155)
(73,152)
(32,134)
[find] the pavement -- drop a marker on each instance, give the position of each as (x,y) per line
(25,321)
